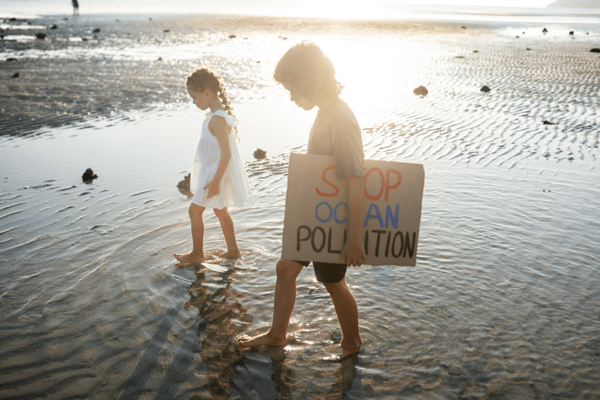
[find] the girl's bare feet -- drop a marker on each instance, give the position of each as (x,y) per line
(231,254)
(261,340)
(190,258)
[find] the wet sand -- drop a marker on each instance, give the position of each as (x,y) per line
(503,301)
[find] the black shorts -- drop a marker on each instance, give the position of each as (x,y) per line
(327,272)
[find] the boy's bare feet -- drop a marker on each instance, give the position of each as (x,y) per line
(261,340)
(190,258)
(231,254)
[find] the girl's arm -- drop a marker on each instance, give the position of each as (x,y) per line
(353,253)
(219,129)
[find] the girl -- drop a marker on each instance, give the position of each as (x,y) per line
(218,177)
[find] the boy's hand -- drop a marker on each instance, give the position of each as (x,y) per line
(353,254)
(213,188)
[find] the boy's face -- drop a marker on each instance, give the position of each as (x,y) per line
(297,96)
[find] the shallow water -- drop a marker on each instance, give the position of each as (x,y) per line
(503,301)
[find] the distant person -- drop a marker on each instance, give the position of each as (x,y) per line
(75,7)
(218,177)
(309,76)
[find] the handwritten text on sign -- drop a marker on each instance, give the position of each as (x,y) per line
(316,215)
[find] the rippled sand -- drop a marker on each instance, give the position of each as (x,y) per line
(503,301)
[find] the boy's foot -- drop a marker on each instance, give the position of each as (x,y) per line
(190,258)
(231,254)
(261,340)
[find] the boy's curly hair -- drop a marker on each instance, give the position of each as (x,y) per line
(307,69)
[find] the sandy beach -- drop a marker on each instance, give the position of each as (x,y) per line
(503,302)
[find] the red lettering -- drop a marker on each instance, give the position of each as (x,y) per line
(382,178)
(387,181)
(328,183)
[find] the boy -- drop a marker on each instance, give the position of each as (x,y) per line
(309,76)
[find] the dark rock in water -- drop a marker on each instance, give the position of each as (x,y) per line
(159,59)
(11,59)
(544,30)
(65,19)
(459,57)
(184,186)
(84,39)
(232,36)
(463,27)
(12,19)
(571,32)
(518,37)
(40,36)
(528,48)
(421,91)
(54,27)
(595,51)
(260,154)
(97,30)
(475,51)
(16,75)
(88,176)
(485,89)
(167,31)
(549,123)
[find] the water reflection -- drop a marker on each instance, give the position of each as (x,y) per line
(233,372)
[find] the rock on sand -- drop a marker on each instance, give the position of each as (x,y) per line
(421,91)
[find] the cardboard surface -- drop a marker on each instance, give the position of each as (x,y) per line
(316,211)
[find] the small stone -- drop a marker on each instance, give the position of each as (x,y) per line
(97,30)
(421,91)
(159,59)
(260,154)
(475,51)
(571,32)
(232,36)
(53,27)
(549,123)
(485,89)
(518,37)
(595,51)
(528,49)
(167,31)
(16,75)
(463,27)
(88,176)
(11,59)
(544,30)
(41,36)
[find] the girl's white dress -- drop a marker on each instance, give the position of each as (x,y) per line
(234,187)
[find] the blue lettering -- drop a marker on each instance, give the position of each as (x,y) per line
(389,217)
(317,212)
(377,215)
(335,213)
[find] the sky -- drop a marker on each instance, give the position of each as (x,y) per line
(481,3)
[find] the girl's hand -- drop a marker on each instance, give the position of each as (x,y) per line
(353,254)
(213,188)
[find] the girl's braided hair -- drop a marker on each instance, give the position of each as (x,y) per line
(206,79)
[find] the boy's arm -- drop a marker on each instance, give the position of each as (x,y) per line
(353,253)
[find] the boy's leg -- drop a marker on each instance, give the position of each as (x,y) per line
(228,232)
(347,313)
(197,253)
(283,305)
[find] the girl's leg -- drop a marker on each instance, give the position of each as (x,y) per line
(197,253)
(228,232)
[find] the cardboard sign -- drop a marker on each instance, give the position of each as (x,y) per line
(315,227)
